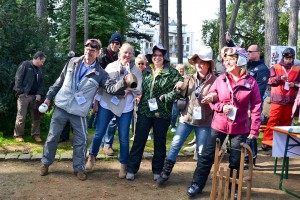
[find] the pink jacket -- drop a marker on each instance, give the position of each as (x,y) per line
(246,97)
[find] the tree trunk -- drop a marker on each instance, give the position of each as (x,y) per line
(41,8)
(73,25)
(161,21)
(293,23)
(271,27)
(179,31)
(222,24)
(86,20)
(166,26)
(234,15)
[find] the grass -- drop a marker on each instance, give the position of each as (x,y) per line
(9,144)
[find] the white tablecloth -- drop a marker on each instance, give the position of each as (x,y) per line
(279,140)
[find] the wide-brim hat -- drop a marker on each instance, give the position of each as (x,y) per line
(160,48)
(205,53)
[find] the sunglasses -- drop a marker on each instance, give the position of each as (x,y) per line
(115,42)
(140,63)
(92,43)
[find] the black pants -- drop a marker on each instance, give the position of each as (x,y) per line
(206,160)
(143,126)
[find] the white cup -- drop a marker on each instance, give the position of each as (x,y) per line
(43,108)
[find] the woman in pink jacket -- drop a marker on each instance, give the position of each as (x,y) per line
(237,93)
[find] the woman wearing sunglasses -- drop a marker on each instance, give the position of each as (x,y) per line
(196,115)
(232,95)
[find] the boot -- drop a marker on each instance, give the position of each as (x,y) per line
(90,163)
(123,171)
(164,176)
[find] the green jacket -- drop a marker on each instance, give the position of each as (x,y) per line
(163,85)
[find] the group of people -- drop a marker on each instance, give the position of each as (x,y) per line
(223,100)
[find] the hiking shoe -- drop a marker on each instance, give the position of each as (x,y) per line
(193,190)
(156,176)
(90,163)
(37,138)
(130,176)
(81,176)
(162,179)
(122,172)
(108,151)
(44,170)
(265,147)
(19,139)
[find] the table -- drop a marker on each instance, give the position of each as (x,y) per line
(286,143)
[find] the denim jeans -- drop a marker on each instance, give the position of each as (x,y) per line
(206,160)
(180,136)
(92,122)
(253,145)
(175,113)
(104,116)
(108,138)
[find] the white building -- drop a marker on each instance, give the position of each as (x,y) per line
(188,38)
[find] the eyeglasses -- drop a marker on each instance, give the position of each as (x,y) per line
(90,50)
(251,51)
(157,55)
(92,43)
(140,63)
(115,42)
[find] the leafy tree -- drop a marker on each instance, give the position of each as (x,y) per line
(21,34)
(249,26)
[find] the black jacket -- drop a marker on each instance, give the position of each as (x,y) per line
(25,76)
(107,56)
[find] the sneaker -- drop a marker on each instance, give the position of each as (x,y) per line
(44,170)
(130,176)
(156,176)
(19,139)
(190,149)
(173,130)
(108,151)
(81,176)
(193,141)
(37,138)
(149,137)
(265,147)
(193,190)
(90,163)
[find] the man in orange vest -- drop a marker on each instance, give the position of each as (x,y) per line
(284,78)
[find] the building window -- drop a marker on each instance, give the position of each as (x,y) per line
(188,40)
(187,48)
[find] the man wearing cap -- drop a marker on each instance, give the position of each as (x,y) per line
(108,55)
(284,76)
(29,88)
(74,92)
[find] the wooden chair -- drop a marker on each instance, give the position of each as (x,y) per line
(221,179)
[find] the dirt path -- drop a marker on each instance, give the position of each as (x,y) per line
(21,180)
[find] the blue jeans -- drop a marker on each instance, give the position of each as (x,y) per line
(180,136)
(253,145)
(108,138)
(91,123)
(175,113)
(104,116)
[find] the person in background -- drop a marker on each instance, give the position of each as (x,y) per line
(175,112)
(108,55)
(231,96)
(261,73)
(196,116)
(154,111)
(74,92)
(284,76)
(120,107)
(29,89)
